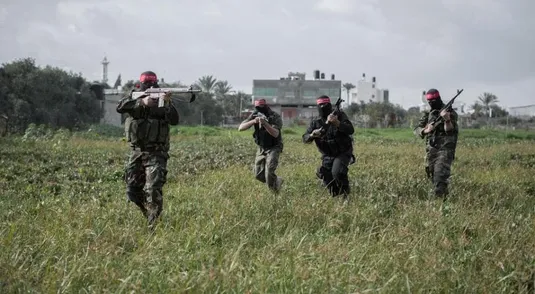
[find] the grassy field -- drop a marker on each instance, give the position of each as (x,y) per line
(66,226)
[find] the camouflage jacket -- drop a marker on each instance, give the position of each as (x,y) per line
(337,140)
(439,138)
(262,137)
(147,128)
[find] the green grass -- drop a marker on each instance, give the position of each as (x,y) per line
(66,225)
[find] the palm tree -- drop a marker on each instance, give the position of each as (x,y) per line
(487,99)
(207,83)
(222,88)
(348,87)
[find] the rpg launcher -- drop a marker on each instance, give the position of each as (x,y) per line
(448,107)
(336,111)
(160,93)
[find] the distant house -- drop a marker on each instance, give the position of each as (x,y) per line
(294,97)
(367,91)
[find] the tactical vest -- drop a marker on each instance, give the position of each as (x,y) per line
(439,138)
(334,143)
(147,128)
(263,139)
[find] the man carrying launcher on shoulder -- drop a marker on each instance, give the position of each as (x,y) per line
(332,134)
(147,130)
(439,128)
(267,136)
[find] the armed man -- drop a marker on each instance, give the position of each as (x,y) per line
(147,127)
(267,136)
(332,133)
(439,127)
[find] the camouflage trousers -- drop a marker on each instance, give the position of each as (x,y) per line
(145,176)
(438,168)
(266,163)
(334,173)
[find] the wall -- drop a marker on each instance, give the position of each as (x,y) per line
(295,98)
(111,116)
(367,90)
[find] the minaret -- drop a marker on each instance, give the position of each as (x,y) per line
(105,63)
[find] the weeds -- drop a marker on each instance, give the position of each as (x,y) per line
(66,225)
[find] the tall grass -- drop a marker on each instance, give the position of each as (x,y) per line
(66,225)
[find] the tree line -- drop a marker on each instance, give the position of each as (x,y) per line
(51,96)
(45,96)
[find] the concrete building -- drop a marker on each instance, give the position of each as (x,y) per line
(294,97)
(109,107)
(367,91)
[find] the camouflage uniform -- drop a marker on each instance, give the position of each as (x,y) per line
(147,131)
(440,150)
(336,148)
(268,150)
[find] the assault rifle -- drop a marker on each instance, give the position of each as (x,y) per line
(336,111)
(260,115)
(448,107)
(159,93)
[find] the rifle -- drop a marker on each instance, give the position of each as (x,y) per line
(448,107)
(336,110)
(260,115)
(159,93)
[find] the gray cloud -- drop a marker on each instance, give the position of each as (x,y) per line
(479,45)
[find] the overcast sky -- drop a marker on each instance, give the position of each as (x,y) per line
(409,45)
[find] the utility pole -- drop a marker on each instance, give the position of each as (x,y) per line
(202,118)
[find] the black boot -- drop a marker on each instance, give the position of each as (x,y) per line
(441,190)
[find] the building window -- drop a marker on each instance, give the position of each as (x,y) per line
(265,92)
(324,92)
(334,93)
(309,94)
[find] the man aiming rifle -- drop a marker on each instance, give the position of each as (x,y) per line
(268,138)
(150,113)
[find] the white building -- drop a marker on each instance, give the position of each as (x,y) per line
(109,106)
(367,91)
